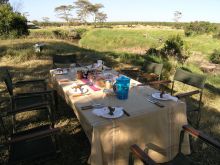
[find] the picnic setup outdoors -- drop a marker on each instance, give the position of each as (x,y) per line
(90,91)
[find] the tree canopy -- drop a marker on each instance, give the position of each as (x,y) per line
(86,8)
(64,12)
(3,1)
(12,24)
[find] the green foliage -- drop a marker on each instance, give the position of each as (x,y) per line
(3,1)
(64,12)
(63,34)
(81,31)
(215,57)
(12,24)
(175,47)
(152,51)
(217,35)
(195,28)
(60,34)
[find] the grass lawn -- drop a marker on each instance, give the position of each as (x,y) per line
(114,46)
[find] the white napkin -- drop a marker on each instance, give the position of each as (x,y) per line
(100,111)
(59,71)
(173,98)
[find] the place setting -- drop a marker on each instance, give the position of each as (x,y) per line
(158,97)
(109,112)
(60,71)
(78,89)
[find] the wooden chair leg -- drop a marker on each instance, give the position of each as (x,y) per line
(131,159)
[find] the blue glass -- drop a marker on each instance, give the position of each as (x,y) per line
(122,87)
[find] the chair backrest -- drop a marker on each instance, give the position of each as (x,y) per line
(189,78)
(152,67)
(6,77)
(64,59)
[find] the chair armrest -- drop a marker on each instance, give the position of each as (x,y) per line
(20,83)
(140,154)
(187,94)
(40,134)
(204,137)
(159,82)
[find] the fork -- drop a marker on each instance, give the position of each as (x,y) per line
(151,100)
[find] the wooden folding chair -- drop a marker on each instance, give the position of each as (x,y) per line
(180,158)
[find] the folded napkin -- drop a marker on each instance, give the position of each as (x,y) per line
(91,86)
(100,111)
(173,98)
(60,71)
(104,112)
(64,81)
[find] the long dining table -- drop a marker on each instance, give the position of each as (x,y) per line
(154,128)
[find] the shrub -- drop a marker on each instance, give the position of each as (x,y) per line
(215,57)
(59,34)
(81,31)
(195,28)
(175,47)
(12,24)
(217,35)
(152,51)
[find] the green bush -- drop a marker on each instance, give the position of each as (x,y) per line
(12,24)
(60,34)
(152,51)
(195,28)
(175,47)
(215,57)
(217,35)
(81,31)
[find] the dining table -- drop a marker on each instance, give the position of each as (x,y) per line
(154,128)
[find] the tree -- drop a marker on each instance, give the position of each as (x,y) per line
(177,16)
(3,1)
(64,12)
(94,10)
(12,24)
(101,17)
(46,19)
(83,9)
(86,8)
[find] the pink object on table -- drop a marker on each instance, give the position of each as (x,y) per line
(92,86)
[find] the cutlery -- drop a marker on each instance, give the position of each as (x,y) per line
(155,102)
(126,113)
(92,106)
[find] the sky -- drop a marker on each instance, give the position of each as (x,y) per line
(130,10)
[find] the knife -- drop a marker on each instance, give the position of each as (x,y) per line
(155,102)
(92,106)
(126,113)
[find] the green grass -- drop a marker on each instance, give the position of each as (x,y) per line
(117,39)
(203,43)
(122,39)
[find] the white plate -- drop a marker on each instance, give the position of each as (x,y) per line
(60,72)
(104,112)
(157,96)
(78,91)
